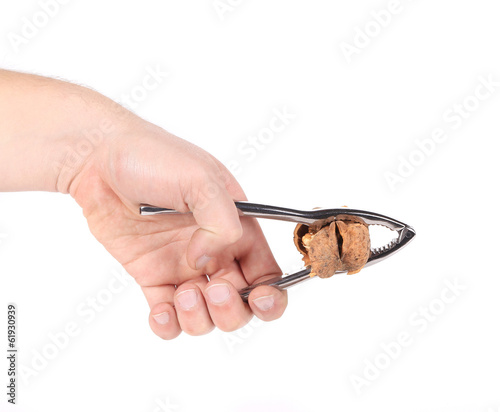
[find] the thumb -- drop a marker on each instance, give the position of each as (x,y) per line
(220,226)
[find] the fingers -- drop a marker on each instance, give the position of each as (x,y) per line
(268,303)
(163,321)
(192,311)
(218,303)
(258,264)
(254,256)
(218,220)
(197,307)
(227,309)
(162,317)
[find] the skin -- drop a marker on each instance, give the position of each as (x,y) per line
(57,136)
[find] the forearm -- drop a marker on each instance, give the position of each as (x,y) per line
(48,130)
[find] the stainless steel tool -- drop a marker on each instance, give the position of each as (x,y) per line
(404,233)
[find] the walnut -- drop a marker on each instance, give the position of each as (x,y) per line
(341,245)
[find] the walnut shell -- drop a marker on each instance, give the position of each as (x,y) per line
(341,245)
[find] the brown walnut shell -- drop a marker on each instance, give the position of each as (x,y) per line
(341,245)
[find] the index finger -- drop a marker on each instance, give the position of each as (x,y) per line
(254,256)
(258,264)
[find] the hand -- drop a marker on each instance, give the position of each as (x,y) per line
(171,256)
(72,139)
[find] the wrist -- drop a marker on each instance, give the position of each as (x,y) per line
(50,131)
(88,146)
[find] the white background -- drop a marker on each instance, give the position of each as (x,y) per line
(354,122)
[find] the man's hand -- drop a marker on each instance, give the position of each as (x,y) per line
(57,136)
(190,267)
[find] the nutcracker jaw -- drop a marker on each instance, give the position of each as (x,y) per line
(405,236)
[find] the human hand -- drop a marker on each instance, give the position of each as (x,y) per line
(74,140)
(170,256)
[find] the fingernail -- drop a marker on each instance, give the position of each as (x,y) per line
(202,261)
(218,294)
(187,299)
(162,318)
(264,303)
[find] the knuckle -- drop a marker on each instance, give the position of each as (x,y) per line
(191,331)
(234,234)
(231,324)
(230,327)
(167,335)
(198,331)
